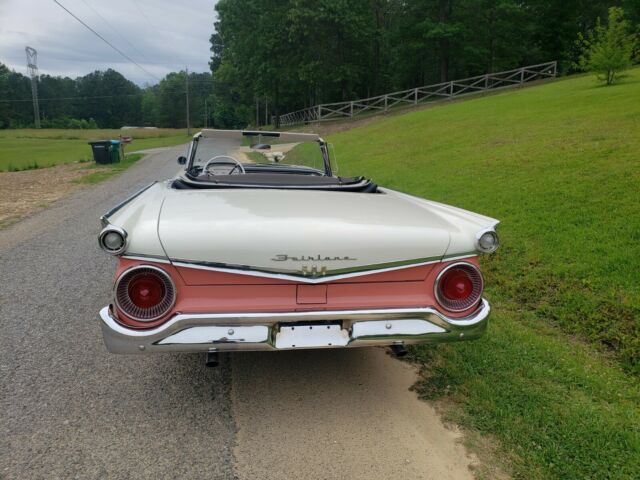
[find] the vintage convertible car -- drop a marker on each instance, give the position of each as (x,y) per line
(259,245)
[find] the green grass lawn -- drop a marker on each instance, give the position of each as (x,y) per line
(103,172)
(26,149)
(555,380)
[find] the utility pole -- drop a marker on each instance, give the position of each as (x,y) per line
(32,69)
(257,112)
(187,92)
(206,116)
(266,120)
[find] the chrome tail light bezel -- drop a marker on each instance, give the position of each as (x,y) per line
(112,229)
(146,315)
(496,240)
(460,305)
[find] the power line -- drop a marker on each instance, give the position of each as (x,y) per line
(144,15)
(114,30)
(106,41)
(176,91)
(73,98)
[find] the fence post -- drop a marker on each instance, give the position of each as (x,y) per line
(444,89)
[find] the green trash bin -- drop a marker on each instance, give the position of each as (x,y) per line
(117,153)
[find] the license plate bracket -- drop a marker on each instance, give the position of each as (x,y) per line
(312,335)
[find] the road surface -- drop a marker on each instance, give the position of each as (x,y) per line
(69,409)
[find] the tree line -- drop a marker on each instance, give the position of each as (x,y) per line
(270,57)
(103,99)
(298,53)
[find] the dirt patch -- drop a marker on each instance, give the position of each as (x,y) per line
(324,414)
(24,193)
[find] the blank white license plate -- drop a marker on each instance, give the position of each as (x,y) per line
(311,336)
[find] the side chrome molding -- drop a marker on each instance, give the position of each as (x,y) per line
(104,219)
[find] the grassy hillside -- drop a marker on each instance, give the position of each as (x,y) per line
(25,149)
(555,379)
(559,165)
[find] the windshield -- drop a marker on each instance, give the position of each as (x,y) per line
(226,152)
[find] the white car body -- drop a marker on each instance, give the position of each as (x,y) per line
(278,238)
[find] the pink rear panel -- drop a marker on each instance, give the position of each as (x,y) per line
(311,294)
(202,291)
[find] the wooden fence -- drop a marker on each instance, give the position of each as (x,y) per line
(415,96)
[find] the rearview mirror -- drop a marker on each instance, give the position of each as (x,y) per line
(182,160)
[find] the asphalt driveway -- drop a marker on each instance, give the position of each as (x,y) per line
(69,409)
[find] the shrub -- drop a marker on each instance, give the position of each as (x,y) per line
(69,123)
(607,51)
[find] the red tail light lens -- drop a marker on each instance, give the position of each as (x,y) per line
(459,287)
(145,293)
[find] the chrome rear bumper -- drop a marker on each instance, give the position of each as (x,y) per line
(273,331)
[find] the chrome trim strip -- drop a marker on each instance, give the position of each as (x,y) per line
(300,277)
(459,256)
(105,218)
(363,327)
(296,276)
(329,276)
(146,258)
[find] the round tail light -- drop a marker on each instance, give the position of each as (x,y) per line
(459,287)
(145,293)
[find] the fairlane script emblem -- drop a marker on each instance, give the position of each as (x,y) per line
(312,270)
(305,258)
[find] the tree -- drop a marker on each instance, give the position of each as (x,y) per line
(607,51)
(120,103)
(16,110)
(149,107)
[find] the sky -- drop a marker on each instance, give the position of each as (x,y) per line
(160,35)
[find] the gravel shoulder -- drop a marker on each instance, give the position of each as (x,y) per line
(69,408)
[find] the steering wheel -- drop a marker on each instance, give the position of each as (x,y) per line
(219,159)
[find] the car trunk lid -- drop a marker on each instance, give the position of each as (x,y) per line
(308,234)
